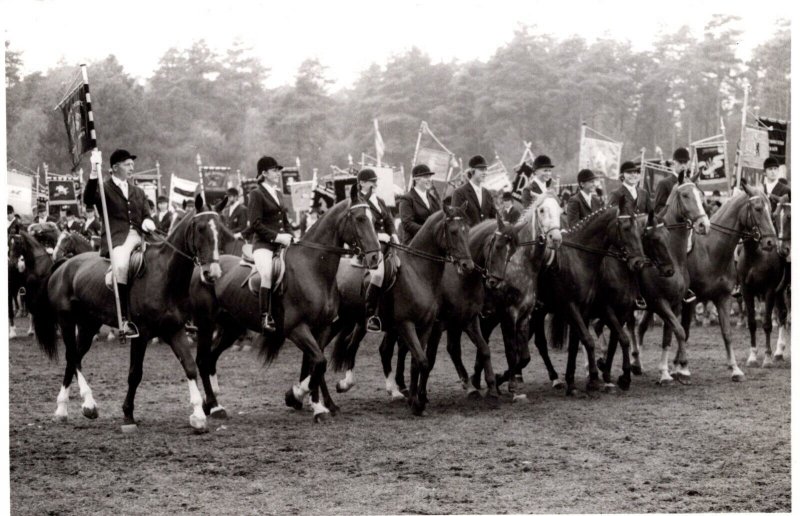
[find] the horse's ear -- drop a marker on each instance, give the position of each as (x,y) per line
(221,205)
(651,218)
(198,203)
(354,193)
(743,183)
(681,177)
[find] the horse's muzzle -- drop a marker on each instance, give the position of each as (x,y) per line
(702,225)
(554,239)
(666,271)
(492,283)
(210,272)
(784,250)
(464,265)
(636,263)
(768,244)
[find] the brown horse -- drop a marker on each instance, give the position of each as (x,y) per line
(29,265)
(784,218)
(77,298)
(491,245)
(69,244)
(410,305)
(620,288)
(570,286)
(310,300)
(760,273)
(682,214)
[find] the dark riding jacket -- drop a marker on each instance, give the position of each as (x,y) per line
(578,209)
(643,204)
(414,213)
(475,212)
(267,218)
(123,214)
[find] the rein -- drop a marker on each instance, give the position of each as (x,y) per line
(162,237)
(753,234)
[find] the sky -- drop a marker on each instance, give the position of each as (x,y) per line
(346,36)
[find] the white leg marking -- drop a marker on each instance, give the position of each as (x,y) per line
(61,401)
(214,384)
(663,366)
(86,392)
(319,409)
(779,347)
(12,332)
(752,359)
(301,390)
(198,418)
(30,325)
(392,389)
(348,382)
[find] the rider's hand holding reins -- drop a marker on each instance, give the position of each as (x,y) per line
(148,226)
(284,239)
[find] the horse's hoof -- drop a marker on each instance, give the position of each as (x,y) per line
(475,380)
(334,410)
(342,388)
(90,412)
(397,396)
(492,395)
(594,384)
(752,361)
(570,390)
(520,398)
(767,363)
(291,401)
(322,417)
(637,370)
(738,377)
(129,428)
(558,384)
(665,379)
(218,413)
(417,408)
(60,418)
(607,377)
(474,395)
(609,387)
(404,391)
(198,424)
(624,382)
(778,357)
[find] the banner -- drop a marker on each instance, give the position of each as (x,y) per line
(776,130)
(61,192)
(289,176)
(385,189)
(180,190)
(301,194)
(437,160)
(496,177)
(653,172)
(755,147)
(76,119)
(150,191)
(215,178)
(711,166)
(20,192)
(601,156)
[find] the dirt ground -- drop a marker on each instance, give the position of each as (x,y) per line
(710,446)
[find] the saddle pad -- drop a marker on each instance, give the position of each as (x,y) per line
(136,266)
(253,280)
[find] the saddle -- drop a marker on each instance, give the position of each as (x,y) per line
(253,280)
(136,266)
(391,264)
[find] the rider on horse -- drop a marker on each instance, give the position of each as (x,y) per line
(418,204)
(384,227)
(235,213)
(128,216)
(266,212)
(479,202)
(542,173)
(680,162)
(584,202)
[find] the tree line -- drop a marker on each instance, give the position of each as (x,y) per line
(535,88)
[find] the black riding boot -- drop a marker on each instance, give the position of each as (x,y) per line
(373,296)
(129,330)
(265,303)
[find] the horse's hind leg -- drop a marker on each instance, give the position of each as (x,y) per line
(540,341)
(349,380)
(750,309)
(783,328)
(638,340)
(86,333)
(180,346)
(723,313)
(304,339)
(454,350)
(474,333)
(386,351)
(400,367)
(138,349)
(227,336)
(68,327)
(769,308)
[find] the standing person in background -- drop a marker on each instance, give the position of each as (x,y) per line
(773,186)
(235,215)
(71,223)
(479,202)
(418,204)
(14,224)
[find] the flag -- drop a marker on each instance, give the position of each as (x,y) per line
(496,177)
(599,154)
(380,147)
(75,110)
(181,190)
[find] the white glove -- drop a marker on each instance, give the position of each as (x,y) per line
(238,236)
(96,159)
(148,225)
(383,237)
(395,239)
(284,239)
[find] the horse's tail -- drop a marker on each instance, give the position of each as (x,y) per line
(340,357)
(44,319)
(558,330)
(270,345)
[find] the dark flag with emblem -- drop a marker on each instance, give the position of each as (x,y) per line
(75,110)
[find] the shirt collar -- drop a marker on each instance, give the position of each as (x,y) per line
(271,189)
(422,193)
(542,184)
(770,184)
(632,190)
(586,197)
(477,188)
(119,182)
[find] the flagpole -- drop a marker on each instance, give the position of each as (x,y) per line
(99,170)
(740,151)
(641,164)
(158,179)
(200,173)
(416,149)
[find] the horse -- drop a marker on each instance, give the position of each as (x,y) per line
(619,291)
(682,214)
(31,263)
(77,298)
(491,245)
(569,286)
(760,273)
(410,305)
(310,301)
(69,244)
(784,219)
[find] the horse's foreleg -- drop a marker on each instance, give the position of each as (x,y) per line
(207,365)
(67,326)
(750,310)
(769,307)
(407,331)
(180,346)
(400,367)
(349,380)
(579,323)
(138,348)
(723,313)
(303,338)
(387,351)
(783,328)
(638,340)
(454,350)
(473,330)
(540,341)
(86,333)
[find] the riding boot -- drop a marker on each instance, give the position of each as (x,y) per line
(373,296)
(690,297)
(265,303)
(128,329)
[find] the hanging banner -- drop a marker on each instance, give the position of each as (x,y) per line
(20,192)
(711,167)
(76,119)
(181,190)
(776,131)
(601,156)
(385,189)
(654,171)
(496,177)
(437,160)
(289,176)
(755,147)
(301,193)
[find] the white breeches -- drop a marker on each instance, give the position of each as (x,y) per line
(121,256)
(376,275)
(263,261)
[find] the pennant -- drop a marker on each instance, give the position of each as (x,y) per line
(75,111)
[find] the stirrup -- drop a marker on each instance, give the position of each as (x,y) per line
(374,324)
(737,291)
(128,330)
(268,323)
(690,297)
(190,327)
(641,304)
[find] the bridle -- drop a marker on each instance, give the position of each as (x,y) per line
(623,254)
(684,221)
(19,240)
(753,233)
(358,249)
(193,255)
(485,271)
(647,231)
(449,247)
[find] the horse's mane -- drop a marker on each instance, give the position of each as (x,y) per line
(581,224)
(80,237)
(482,231)
(332,212)
(731,204)
(31,241)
